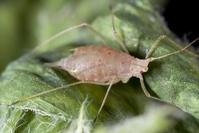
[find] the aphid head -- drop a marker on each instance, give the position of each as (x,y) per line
(139,66)
(144,65)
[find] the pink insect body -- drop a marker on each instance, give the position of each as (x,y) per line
(103,65)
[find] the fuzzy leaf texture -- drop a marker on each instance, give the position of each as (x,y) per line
(175,79)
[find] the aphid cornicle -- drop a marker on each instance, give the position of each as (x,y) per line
(103,65)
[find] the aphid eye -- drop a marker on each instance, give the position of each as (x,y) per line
(109,53)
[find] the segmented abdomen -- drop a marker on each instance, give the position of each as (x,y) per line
(97,63)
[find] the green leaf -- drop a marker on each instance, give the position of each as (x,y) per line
(174,79)
(149,120)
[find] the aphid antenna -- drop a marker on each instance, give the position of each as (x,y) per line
(117,36)
(61,33)
(173,53)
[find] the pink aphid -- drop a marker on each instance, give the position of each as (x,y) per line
(106,66)
(103,65)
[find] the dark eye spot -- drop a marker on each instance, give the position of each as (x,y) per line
(109,53)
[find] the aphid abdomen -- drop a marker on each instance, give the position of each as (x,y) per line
(98,63)
(88,69)
(97,74)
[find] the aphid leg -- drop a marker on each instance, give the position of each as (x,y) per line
(55,89)
(147,94)
(68,30)
(118,38)
(144,88)
(46,92)
(104,100)
(162,37)
(155,45)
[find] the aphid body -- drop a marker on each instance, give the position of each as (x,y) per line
(106,66)
(102,64)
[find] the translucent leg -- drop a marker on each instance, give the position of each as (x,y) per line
(144,88)
(157,43)
(147,94)
(46,92)
(55,89)
(69,30)
(104,100)
(118,37)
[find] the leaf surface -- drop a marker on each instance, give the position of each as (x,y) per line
(174,79)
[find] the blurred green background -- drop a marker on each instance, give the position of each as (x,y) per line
(25,23)
(17,22)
